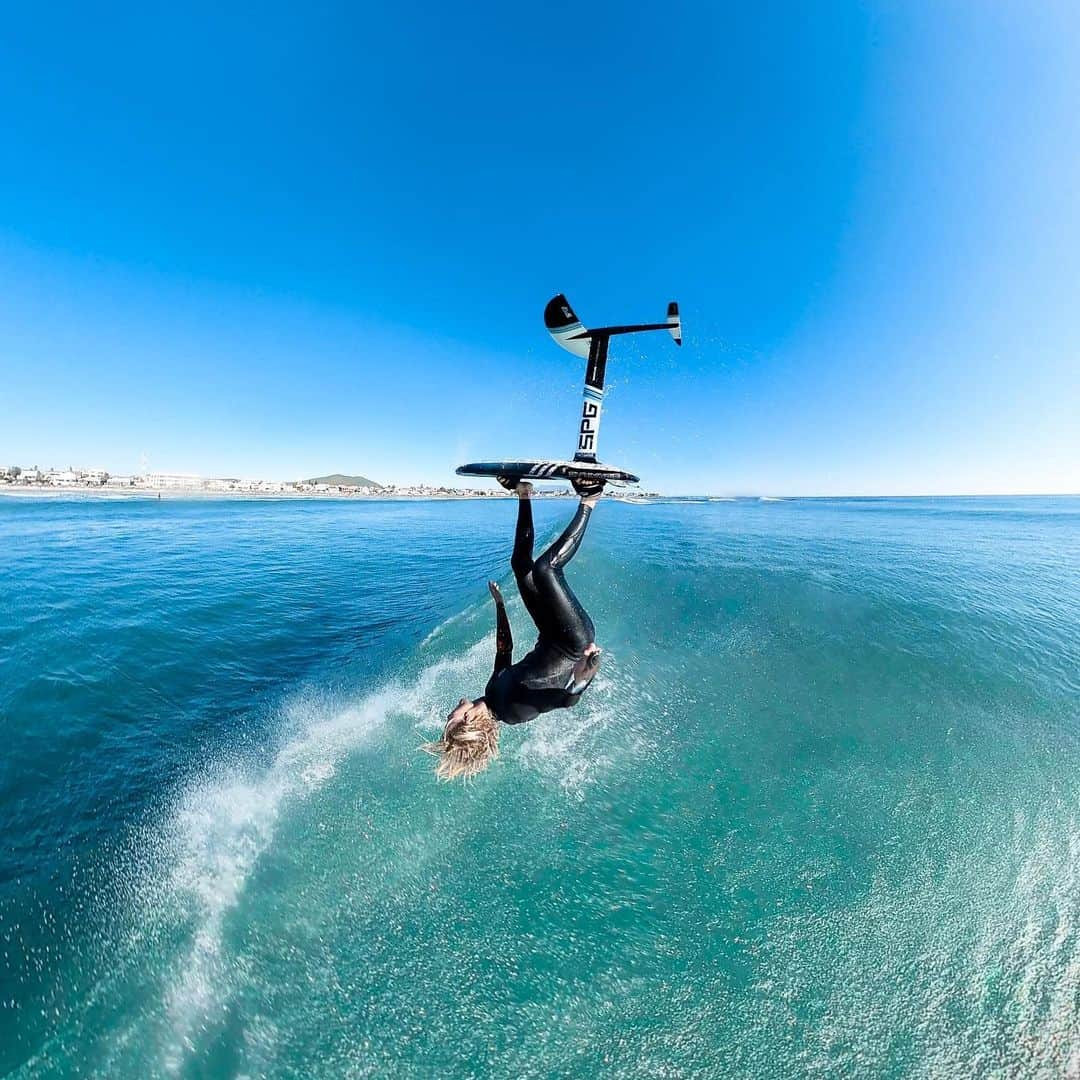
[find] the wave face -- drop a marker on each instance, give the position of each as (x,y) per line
(819,815)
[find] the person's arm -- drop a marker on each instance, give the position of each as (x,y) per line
(504,640)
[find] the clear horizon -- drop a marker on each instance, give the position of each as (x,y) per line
(331,250)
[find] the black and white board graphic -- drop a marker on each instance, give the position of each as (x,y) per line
(549,470)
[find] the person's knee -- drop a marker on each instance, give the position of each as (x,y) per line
(546,565)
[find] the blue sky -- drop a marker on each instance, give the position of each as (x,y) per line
(312,238)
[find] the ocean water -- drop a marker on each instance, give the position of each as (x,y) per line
(819,815)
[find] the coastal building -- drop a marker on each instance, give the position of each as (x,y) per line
(188,481)
(62,477)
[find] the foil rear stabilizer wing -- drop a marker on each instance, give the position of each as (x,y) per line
(567,330)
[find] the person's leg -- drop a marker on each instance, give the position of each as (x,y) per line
(521,561)
(565,622)
(565,548)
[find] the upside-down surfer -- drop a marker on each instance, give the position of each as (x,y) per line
(560,666)
(565,658)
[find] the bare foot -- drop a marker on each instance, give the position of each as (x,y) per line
(588,489)
(521,488)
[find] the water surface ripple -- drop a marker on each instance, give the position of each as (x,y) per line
(819,816)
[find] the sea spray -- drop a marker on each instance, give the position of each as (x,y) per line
(222,826)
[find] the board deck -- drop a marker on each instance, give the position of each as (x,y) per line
(549,470)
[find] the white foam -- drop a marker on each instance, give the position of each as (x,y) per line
(573,749)
(227,821)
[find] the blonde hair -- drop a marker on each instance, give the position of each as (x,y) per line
(468,746)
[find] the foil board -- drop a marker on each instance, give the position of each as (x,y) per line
(549,470)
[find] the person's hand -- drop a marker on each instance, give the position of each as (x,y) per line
(496,592)
(592,657)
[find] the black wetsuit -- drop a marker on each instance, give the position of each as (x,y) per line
(544,679)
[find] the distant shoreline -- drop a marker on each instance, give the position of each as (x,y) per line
(47,491)
(193,493)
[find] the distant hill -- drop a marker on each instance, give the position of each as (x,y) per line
(341,480)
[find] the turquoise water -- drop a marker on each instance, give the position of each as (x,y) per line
(819,815)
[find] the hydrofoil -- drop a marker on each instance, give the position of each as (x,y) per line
(591,345)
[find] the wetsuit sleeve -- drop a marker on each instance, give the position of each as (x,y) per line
(504,639)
